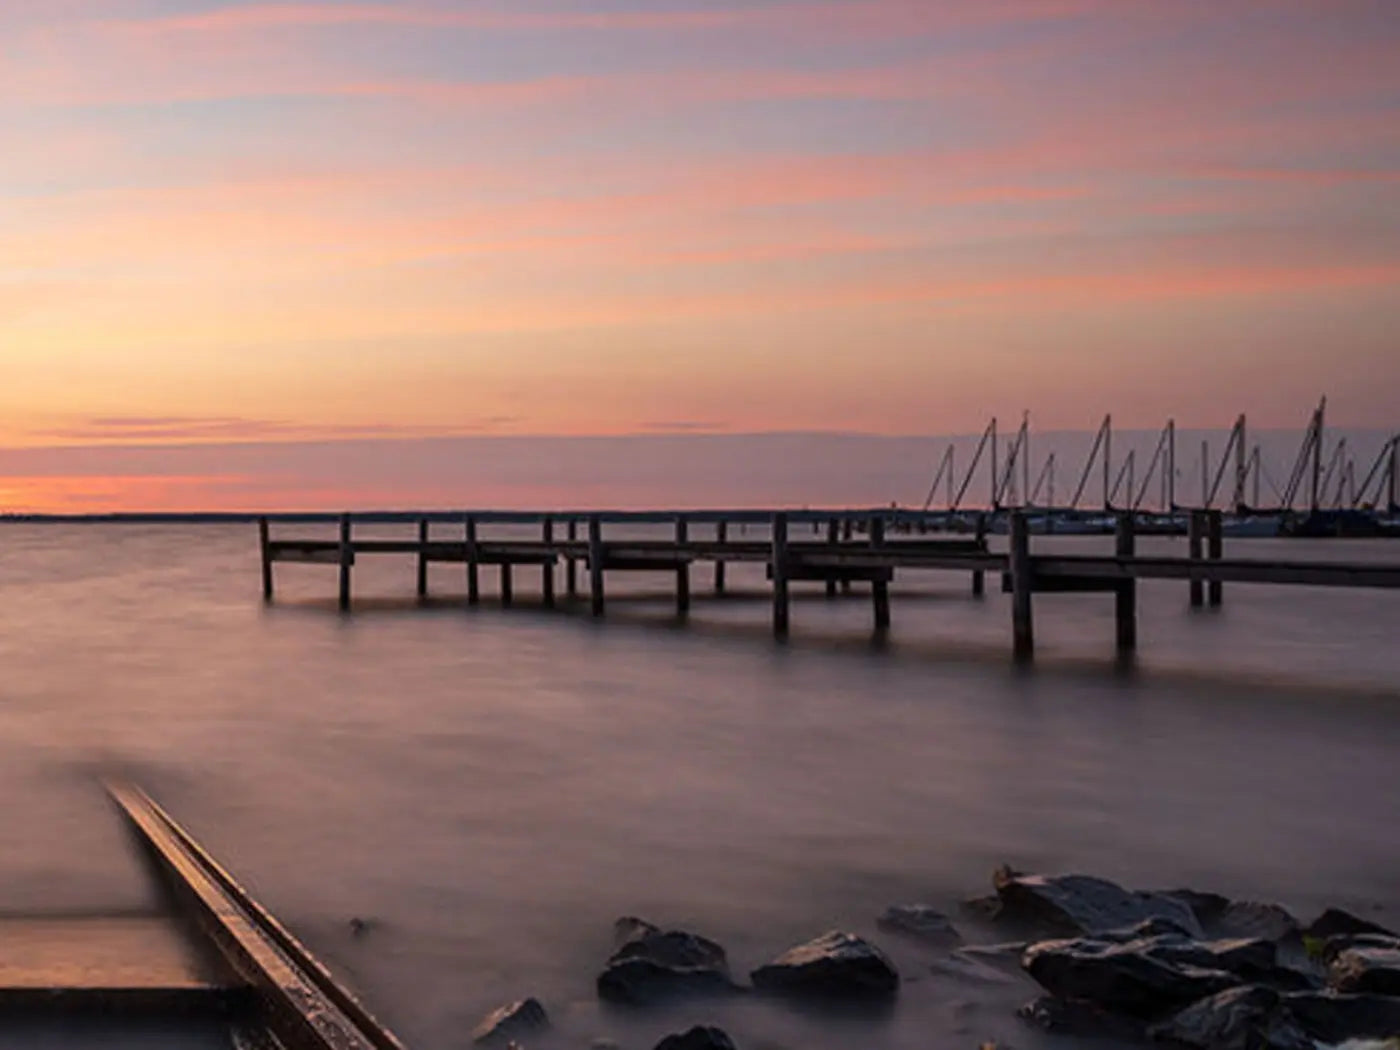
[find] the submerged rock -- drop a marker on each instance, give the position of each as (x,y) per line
(1079,905)
(1333,1018)
(1078,1017)
(1368,968)
(1124,978)
(920,922)
(1238,1019)
(511,1021)
(701,1037)
(988,963)
(651,964)
(835,964)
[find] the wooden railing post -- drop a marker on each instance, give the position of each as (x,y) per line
(1195,535)
(683,566)
(779,561)
(595,563)
(1215,549)
(721,536)
(265,545)
(473,565)
(1125,593)
(422,557)
(347,558)
(1022,627)
(879,588)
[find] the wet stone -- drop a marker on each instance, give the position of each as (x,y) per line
(1079,1017)
(1124,978)
(1079,905)
(836,964)
(701,1037)
(1364,968)
(1238,1019)
(1331,1018)
(1335,922)
(651,964)
(511,1022)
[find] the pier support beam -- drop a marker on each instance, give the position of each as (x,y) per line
(979,578)
(547,572)
(1215,550)
(422,558)
(721,536)
(595,563)
(265,545)
(347,558)
(879,587)
(473,566)
(779,557)
(571,563)
(1125,594)
(1195,535)
(683,569)
(833,537)
(1022,629)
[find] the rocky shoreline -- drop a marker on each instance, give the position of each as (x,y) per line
(1168,968)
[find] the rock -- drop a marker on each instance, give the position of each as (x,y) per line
(920,922)
(651,964)
(1079,905)
(1242,957)
(701,1037)
(1332,1018)
(1334,946)
(1238,1019)
(1367,969)
(1156,927)
(984,909)
(1220,917)
(1124,978)
(511,1021)
(1003,957)
(835,964)
(1334,922)
(1080,1018)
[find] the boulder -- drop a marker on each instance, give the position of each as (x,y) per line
(836,964)
(1079,1018)
(510,1022)
(921,923)
(1220,917)
(1334,946)
(701,1037)
(1332,1018)
(1364,968)
(1237,1019)
(1080,905)
(652,964)
(1334,922)
(1123,978)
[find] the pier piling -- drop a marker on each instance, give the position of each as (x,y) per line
(595,563)
(833,537)
(682,567)
(571,563)
(473,565)
(1195,536)
(1215,550)
(547,571)
(979,578)
(507,585)
(265,544)
(779,558)
(1022,584)
(879,586)
(1125,593)
(847,533)
(347,558)
(721,536)
(422,558)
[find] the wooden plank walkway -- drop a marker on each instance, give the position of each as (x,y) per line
(839,560)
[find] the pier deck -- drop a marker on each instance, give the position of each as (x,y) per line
(840,559)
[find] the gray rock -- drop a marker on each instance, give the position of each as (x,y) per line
(1122,978)
(1364,968)
(1080,1018)
(920,922)
(1332,1018)
(1238,1019)
(836,964)
(701,1037)
(511,1022)
(1334,922)
(1079,905)
(652,964)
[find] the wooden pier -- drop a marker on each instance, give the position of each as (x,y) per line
(839,558)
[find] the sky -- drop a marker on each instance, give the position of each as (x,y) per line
(256,226)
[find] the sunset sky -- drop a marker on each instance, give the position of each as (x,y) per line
(269,223)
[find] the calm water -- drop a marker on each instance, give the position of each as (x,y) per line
(493,788)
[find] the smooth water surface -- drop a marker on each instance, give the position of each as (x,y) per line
(490,789)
